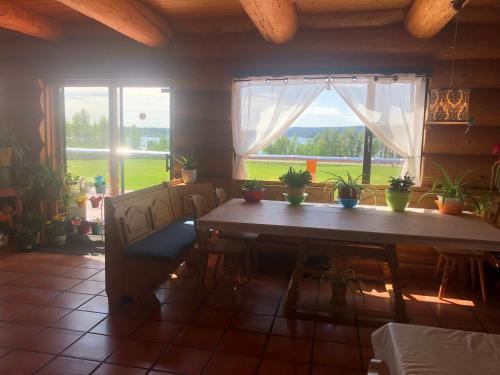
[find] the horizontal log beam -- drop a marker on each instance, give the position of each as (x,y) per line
(128,17)
(426,18)
(23,20)
(375,18)
(276,20)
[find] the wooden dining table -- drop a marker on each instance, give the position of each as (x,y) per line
(363,231)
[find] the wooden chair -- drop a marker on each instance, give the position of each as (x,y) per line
(248,239)
(231,250)
(475,259)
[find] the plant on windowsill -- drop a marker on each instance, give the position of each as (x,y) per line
(296,182)
(341,281)
(188,171)
(253,190)
(349,190)
(482,204)
(451,192)
(398,194)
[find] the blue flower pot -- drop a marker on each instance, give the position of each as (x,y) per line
(348,203)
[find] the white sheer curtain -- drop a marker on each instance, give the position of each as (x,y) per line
(393,110)
(263,110)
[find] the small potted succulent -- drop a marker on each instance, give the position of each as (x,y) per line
(349,190)
(188,171)
(253,190)
(57,229)
(296,182)
(341,281)
(100,184)
(451,193)
(398,194)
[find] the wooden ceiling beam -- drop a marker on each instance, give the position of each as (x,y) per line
(128,17)
(23,20)
(374,18)
(276,20)
(426,18)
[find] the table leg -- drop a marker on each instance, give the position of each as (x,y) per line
(399,303)
(293,285)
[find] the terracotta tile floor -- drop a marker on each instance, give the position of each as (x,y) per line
(54,320)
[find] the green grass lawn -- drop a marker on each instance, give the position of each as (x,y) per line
(140,173)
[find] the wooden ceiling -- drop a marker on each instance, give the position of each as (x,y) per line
(155,22)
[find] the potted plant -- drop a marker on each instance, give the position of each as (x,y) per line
(482,204)
(95,200)
(398,194)
(450,192)
(349,190)
(341,280)
(25,239)
(80,200)
(4,230)
(11,151)
(57,229)
(296,182)
(100,184)
(188,171)
(33,222)
(41,182)
(71,183)
(253,190)
(96,226)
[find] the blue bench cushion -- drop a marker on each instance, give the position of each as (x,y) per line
(168,244)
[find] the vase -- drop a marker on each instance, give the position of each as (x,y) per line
(348,202)
(449,206)
(189,176)
(253,196)
(397,201)
(58,239)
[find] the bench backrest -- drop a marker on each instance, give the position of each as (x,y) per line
(181,193)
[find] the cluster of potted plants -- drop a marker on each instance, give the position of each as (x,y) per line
(296,182)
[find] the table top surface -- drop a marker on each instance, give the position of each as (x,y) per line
(373,224)
(418,350)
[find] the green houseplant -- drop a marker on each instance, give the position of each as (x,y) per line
(25,239)
(341,281)
(41,182)
(57,229)
(451,192)
(482,204)
(11,151)
(349,189)
(398,194)
(253,190)
(188,171)
(296,182)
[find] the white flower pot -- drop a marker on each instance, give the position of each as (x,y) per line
(188,176)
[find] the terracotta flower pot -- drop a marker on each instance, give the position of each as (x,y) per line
(450,206)
(253,196)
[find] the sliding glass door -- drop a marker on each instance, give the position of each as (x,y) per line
(119,132)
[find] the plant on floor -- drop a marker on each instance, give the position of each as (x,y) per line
(342,280)
(33,222)
(41,182)
(451,192)
(253,190)
(398,194)
(296,182)
(25,239)
(57,228)
(4,229)
(189,164)
(96,225)
(349,189)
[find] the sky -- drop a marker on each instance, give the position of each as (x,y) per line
(327,110)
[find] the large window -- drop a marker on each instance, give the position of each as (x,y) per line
(123,131)
(369,126)
(329,138)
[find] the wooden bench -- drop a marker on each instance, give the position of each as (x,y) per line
(148,234)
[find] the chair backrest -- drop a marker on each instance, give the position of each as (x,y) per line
(220,195)
(181,194)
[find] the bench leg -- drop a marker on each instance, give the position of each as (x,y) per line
(438,265)
(482,279)
(444,280)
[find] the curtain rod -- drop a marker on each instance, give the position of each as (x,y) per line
(331,77)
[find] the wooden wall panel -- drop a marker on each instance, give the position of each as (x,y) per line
(478,168)
(473,74)
(485,107)
(202,105)
(451,139)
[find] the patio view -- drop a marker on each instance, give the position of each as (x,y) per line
(249,187)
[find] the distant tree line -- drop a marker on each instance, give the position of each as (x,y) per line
(348,141)
(81,133)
